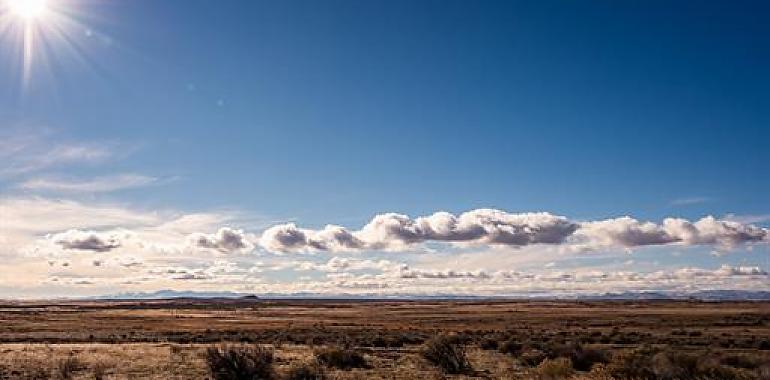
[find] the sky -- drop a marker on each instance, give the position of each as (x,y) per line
(383,147)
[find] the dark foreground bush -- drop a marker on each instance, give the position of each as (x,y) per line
(443,352)
(511,346)
(306,372)
(341,358)
(240,363)
(583,359)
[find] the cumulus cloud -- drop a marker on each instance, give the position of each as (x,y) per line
(289,238)
(88,240)
(628,232)
(226,240)
(393,231)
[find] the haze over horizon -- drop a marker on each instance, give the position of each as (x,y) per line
(383,147)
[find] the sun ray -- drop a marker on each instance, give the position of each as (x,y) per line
(36,31)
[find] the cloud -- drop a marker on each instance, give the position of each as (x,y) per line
(340,264)
(393,231)
(289,238)
(26,153)
(627,232)
(41,215)
(690,201)
(624,232)
(226,240)
(96,185)
(442,274)
(748,219)
(87,240)
(484,226)
(727,270)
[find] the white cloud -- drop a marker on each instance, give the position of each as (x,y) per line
(690,201)
(627,232)
(499,228)
(395,231)
(226,240)
(340,264)
(110,246)
(40,215)
(95,185)
(32,152)
(89,240)
(289,238)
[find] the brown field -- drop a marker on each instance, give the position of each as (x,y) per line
(501,339)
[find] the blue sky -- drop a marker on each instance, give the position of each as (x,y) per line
(331,112)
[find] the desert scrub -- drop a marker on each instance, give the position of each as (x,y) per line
(306,371)
(650,364)
(340,358)
(67,367)
(444,353)
(237,362)
(554,369)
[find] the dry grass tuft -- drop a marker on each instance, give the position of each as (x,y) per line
(341,358)
(235,362)
(67,367)
(306,371)
(554,369)
(443,352)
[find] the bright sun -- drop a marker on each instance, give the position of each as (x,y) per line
(28,9)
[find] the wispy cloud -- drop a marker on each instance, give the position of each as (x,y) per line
(690,201)
(95,185)
(758,218)
(28,153)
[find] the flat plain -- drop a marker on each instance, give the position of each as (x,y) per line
(334,339)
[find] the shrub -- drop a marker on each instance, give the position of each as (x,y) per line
(447,355)
(100,371)
(511,346)
(584,359)
(306,372)
(646,364)
(66,368)
(341,358)
(741,361)
(532,357)
(553,369)
(240,363)
(489,344)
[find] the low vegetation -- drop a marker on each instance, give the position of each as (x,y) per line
(340,358)
(326,340)
(240,362)
(305,371)
(447,354)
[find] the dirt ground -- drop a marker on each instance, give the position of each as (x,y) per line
(168,339)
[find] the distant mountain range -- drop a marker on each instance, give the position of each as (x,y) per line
(704,295)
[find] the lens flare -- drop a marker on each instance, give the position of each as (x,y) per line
(28,9)
(40,36)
